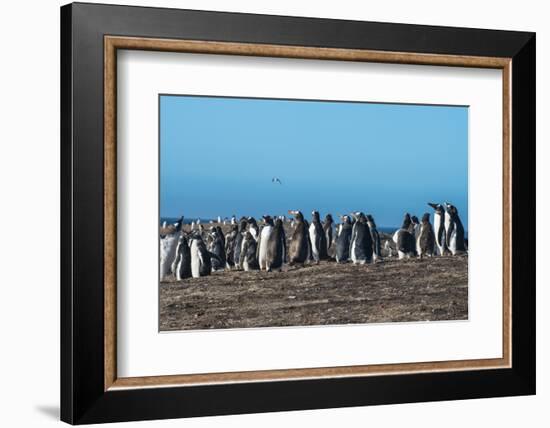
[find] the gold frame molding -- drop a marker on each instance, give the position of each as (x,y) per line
(113,43)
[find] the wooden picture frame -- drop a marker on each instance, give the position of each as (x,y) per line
(91,390)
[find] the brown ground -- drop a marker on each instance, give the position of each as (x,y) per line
(329,293)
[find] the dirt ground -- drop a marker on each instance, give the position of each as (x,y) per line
(431,289)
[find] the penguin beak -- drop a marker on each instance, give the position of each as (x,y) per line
(434,206)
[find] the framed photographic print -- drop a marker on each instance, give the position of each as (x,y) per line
(265,213)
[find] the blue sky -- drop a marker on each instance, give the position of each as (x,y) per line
(219,155)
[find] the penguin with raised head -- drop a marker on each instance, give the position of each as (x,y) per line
(317,238)
(439,227)
(217,248)
(276,247)
(239,243)
(298,251)
(201,262)
(178,225)
(425,242)
(182,262)
(404,238)
(327,228)
(361,241)
(343,239)
(253,228)
(267,228)
(375,237)
(248,259)
(454,230)
(230,240)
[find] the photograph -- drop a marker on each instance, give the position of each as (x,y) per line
(298,212)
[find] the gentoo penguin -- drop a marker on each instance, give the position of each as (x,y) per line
(221,235)
(238,243)
(454,230)
(182,268)
(426,239)
(168,245)
(415,230)
(267,228)
(253,228)
(201,263)
(317,238)
(415,224)
(276,247)
(216,247)
(361,241)
(375,236)
(248,259)
(230,240)
(343,239)
(299,250)
(233,219)
(388,247)
(327,228)
(404,238)
(439,227)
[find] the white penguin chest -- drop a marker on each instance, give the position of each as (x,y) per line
(265,234)
(313,238)
(447,221)
(168,247)
(195,259)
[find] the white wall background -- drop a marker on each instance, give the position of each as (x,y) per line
(29,169)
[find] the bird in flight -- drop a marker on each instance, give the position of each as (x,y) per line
(276,180)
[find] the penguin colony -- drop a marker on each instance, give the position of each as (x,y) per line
(248,246)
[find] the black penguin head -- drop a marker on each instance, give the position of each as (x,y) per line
(406,221)
(297,214)
(426,218)
(315,216)
(346,219)
(252,220)
(329,219)
(242,224)
(437,207)
(451,209)
(268,220)
(359,216)
(195,235)
(278,222)
(414,219)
